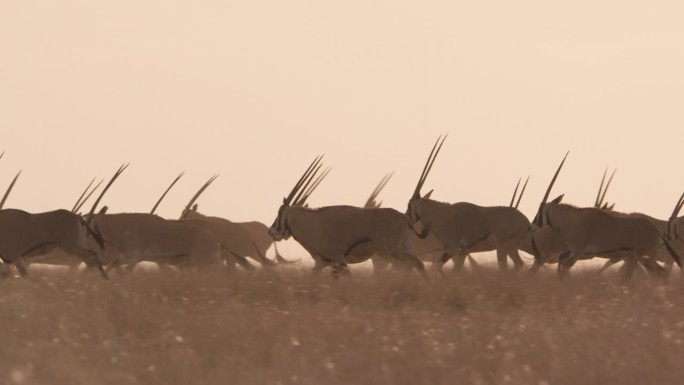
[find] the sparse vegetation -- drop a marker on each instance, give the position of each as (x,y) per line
(286,326)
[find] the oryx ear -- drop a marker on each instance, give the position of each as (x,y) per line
(427,196)
(103,210)
(285,201)
(558,199)
(194,207)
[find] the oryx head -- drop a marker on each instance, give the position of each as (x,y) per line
(412,211)
(280,229)
(541,217)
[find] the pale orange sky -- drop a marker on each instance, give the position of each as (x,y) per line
(253,90)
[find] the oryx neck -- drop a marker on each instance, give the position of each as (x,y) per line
(428,210)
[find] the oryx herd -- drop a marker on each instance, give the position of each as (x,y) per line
(336,236)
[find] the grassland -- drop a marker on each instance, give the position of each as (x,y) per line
(285,326)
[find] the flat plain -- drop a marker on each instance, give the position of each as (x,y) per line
(286,326)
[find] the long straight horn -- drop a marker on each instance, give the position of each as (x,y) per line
(302,179)
(548,190)
(78,208)
(298,199)
(73,209)
(3,154)
(673,216)
(9,189)
(313,187)
(429,163)
(370,202)
(521,193)
(166,192)
(605,189)
(199,192)
(597,202)
(99,198)
(678,207)
(515,192)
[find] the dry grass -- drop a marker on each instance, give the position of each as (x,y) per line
(290,327)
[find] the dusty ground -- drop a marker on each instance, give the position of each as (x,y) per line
(287,327)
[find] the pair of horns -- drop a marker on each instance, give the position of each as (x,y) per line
(428,164)
(81,200)
(109,184)
(309,190)
(515,192)
(601,196)
(548,191)
(374,195)
(298,191)
(197,194)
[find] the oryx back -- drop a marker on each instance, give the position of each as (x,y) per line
(146,237)
(25,235)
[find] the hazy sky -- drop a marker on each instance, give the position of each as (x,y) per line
(253,90)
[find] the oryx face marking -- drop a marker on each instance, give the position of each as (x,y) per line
(279,230)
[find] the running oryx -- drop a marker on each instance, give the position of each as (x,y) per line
(235,238)
(426,249)
(460,227)
(550,245)
(144,237)
(249,239)
(139,237)
(666,227)
(23,235)
(589,232)
(332,233)
(238,239)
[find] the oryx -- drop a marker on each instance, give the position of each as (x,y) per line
(139,237)
(426,249)
(144,237)
(461,226)
(331,233)
(23,235)
(239,239)
(235,238)
(666,227)
(590,232)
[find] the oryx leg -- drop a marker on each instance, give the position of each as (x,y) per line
(502,259)
(566,261)
(411,261)
(610,262)
(21,266)
(631,262)
(379,264)
(340,269)
(231,258)
(261,257)
(5,270)
(115,264)
(459,259)
(90,258)
(517,260)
